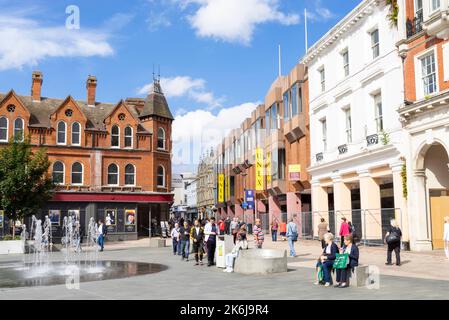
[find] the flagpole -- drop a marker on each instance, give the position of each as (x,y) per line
(306,31)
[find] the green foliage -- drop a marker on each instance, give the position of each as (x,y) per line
(404,180)
(9,237)
(385,138)
(25,185)
(394,12)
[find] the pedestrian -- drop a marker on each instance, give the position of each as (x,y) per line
(283,230)
(228,225)
(351,249)
(175,238)
(393,240)
(197,236)
(230,257)
(323,228)
(274,229)
(446,236)
(344,231)
(211,231)
(102,231)
(221,226)
(233,228)
(184,235)
(292,236)
(242,236)
(326,260)
(258,234)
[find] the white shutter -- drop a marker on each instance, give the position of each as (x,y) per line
(446,61)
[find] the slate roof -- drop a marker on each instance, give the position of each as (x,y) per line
(154,104)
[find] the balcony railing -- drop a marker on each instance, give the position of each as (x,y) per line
(414,26)
(372,139)
(343,149)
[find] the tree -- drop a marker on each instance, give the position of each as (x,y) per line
(25,185)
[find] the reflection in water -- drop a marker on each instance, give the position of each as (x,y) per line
(18,274)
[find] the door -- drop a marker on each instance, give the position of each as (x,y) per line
(439,208)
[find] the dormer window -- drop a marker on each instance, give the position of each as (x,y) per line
(115,137)
(128,137)
(76,134)
(4,129)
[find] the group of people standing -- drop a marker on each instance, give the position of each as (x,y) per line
(203,235)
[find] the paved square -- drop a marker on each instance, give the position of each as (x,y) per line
(211,283)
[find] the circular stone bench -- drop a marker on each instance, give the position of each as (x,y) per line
(261,261)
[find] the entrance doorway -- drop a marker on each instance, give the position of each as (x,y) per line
(439,208)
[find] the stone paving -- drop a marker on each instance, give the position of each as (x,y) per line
(211,283)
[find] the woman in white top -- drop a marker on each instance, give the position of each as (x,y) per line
(446,236)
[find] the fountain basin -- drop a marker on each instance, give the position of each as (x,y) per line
(11,246)
(19,274)
(261,261)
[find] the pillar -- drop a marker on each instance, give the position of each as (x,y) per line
(238,211)
(420,239)
(320,206)
(371,206)
(294,207)
(342,201)
(400,202)
(274,209)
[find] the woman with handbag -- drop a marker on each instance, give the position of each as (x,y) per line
(326,260)
(352,251)
(393,240)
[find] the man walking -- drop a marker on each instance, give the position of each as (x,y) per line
(175,238)
(274,229)
(197,236)
(102,231)
(184,235)
(292,236)
(258,234)
(211,231)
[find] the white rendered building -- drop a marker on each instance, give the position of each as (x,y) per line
(355,78)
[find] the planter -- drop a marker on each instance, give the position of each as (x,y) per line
(12,246)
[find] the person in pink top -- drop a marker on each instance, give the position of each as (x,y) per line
(344,230)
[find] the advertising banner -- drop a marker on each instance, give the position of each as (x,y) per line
(294,172)
(259,169)
(221,187)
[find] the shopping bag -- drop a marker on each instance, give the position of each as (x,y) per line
(341,261)
(320,274)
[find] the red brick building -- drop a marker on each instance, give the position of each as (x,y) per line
(109,161)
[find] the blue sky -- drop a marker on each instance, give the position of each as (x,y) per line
(217,57)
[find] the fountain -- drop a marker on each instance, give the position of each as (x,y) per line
(41,265)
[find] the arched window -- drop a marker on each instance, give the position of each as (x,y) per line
(58,172)
(130,175)
(3,129)
(18,129)
(128,137)
(160,176)
(115,136)
(77,173)
(62,133)
(161,138)
(76,134)
(113,174)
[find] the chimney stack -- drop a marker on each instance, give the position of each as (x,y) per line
(36,85)
(91,86)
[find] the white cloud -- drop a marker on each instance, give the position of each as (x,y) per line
(25,42)
(235,20)
(184,86)
(319,12)
(197,131)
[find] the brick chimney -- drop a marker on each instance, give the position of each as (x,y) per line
(91,86)
(36,85)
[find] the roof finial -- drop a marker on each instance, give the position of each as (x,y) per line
(157,81)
